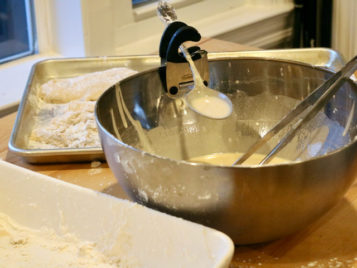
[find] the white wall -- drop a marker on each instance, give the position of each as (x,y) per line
(344,27)
(114,27)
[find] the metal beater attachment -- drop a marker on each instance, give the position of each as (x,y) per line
(301,114)
(175,72)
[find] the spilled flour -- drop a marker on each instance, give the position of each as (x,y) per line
(65,112)
(22,247)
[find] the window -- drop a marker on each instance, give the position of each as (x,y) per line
(138,2)
(16,34)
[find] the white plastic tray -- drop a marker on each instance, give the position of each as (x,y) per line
(148,237)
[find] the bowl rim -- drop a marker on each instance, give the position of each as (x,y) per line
(242,166)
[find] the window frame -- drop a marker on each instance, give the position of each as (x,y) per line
(31,32)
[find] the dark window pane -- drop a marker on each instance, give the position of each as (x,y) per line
(139,2)
(16,37)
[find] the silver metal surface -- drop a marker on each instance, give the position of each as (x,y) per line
(63,68)
(201,91)
(71,67)
(149,144)
(179,75)
(314,102)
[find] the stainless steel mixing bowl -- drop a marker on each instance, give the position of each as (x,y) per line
(147,139)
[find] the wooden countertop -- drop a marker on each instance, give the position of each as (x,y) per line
(331,241)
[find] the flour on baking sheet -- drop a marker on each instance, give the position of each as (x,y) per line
(65,117)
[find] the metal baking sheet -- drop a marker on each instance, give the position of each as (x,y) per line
(71,67)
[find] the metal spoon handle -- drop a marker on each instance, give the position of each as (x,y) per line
(196,75)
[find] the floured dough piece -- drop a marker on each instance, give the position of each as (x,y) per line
(69,125)
(84,87)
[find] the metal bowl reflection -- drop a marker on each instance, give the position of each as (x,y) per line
(148,137)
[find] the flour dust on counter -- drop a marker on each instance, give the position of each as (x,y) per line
(22,247)
(65,110)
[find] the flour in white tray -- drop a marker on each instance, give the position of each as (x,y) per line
(22,247)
